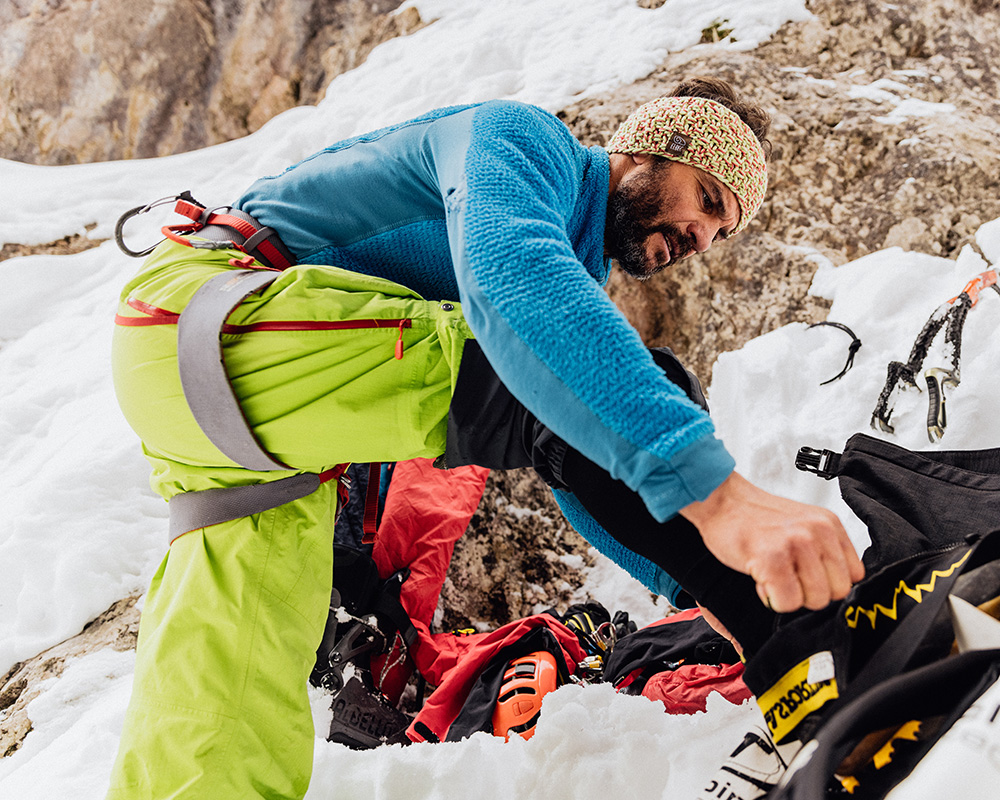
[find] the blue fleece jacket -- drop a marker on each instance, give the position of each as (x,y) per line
(498,205)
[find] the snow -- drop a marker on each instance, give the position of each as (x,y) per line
(885,298)
(888,91)
(81,528)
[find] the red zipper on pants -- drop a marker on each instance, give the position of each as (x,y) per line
(160,316)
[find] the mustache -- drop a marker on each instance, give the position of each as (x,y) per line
(680,243)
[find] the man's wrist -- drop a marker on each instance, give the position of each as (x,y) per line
(700,511)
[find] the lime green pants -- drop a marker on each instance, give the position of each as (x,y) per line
(234,614)
(227,640)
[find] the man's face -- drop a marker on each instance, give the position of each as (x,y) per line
(662,211)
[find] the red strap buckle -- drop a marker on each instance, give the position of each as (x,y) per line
(192,211)
(370,525)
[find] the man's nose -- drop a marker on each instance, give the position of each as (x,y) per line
(703,233)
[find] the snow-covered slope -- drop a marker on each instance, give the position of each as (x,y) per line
(79,527)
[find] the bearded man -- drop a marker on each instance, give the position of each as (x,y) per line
(437,292)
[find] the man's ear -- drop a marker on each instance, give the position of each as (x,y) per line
(640,158)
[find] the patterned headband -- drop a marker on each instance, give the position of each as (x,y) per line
(704,134)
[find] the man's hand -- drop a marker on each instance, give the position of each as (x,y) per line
(797,554)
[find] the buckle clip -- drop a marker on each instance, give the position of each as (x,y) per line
(824,463)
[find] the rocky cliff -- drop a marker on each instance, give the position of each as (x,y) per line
(885,130)
(83,81)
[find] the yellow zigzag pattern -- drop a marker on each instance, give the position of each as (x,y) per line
(854,613)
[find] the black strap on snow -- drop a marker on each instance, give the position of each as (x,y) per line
(202,367)
(852,348)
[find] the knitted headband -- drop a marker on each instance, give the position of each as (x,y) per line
(704,134)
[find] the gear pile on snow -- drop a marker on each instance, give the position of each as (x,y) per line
(378,634)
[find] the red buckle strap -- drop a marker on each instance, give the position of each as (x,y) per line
(202,217)
(190,208)
(272,254)
(241,226)
(343,483)
(370,524)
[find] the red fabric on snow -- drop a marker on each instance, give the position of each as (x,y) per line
(426,511)
(685,689)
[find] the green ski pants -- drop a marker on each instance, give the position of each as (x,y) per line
(234,614)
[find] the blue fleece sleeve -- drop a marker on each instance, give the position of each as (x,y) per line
(642,569)
(548,328)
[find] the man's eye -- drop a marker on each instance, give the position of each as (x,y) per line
(706,199)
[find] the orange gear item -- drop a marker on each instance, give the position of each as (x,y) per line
(525,682)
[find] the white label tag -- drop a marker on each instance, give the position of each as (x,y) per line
(821,668)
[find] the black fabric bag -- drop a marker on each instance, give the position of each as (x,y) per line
(918,501)
(828,678)
(918,507)
(658,648)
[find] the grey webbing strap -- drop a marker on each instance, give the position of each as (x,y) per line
(193,510)
(227,234)
(254,241)
(202,367)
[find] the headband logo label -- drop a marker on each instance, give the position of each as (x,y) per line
(677,144)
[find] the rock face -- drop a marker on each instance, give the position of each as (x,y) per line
(116,628)
(518,557)
(860,162)
(83,81)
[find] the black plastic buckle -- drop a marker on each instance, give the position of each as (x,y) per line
(824,463)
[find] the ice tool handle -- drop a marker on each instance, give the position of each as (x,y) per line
(950,315)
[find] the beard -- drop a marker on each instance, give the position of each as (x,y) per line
(631,220)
